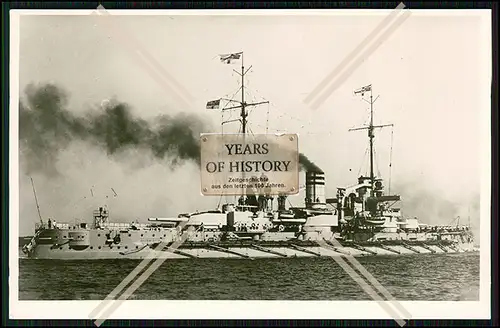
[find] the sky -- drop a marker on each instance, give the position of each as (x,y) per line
(432,78)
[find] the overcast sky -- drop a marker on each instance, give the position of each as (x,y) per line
(432,76)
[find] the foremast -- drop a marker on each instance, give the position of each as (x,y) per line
(371,128)
(238,104)
(375,184)
(241,104)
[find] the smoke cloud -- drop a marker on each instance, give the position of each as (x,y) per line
(432,207)
(46,127)
(307,165)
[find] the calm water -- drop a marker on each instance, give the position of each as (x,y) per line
(442,277)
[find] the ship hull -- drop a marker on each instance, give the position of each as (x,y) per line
(255,251)
(122,241)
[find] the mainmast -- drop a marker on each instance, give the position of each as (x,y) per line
(370,128)
(229,59)
(241,104)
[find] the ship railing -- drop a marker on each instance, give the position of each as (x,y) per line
(64,226)
(118,225)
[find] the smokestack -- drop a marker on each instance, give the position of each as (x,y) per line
(315,190)
(281,203)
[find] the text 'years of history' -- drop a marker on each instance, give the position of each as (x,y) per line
(235,164)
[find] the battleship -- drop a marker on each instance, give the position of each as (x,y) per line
(361,220)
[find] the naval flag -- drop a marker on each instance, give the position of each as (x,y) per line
(230,58)
(213,104)
(363,90)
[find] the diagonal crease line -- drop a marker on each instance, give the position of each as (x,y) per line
(355,52)
(369,51)
(365,286)
(376,284)
(140,280)
(374,281)
(153,71)
(101,9)
(144,58)
(136,271)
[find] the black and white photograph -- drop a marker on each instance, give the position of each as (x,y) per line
(238,156)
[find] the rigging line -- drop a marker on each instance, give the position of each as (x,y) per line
(220,201)
(250,129)
(232,97)
(363,161)
(222,132)
(255,96)
(270,103)
(390,159)
(267,119)
(375,164)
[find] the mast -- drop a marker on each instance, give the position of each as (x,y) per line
(227,59)
(371,136)
(243,111)
(241,104)
(371,127)
(36,201)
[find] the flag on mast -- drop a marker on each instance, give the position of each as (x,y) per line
(363,90)
(230,58)
(213,104)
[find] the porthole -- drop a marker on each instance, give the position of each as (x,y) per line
(60,247)
(126,247)
(99,247)
(91,247)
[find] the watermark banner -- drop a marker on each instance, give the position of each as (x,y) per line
(238,164)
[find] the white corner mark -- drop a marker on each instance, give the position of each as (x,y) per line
(366,287)
(352,64)
(145,60)
(112,304)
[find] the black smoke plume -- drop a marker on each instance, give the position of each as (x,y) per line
(307,165)
(46,126)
